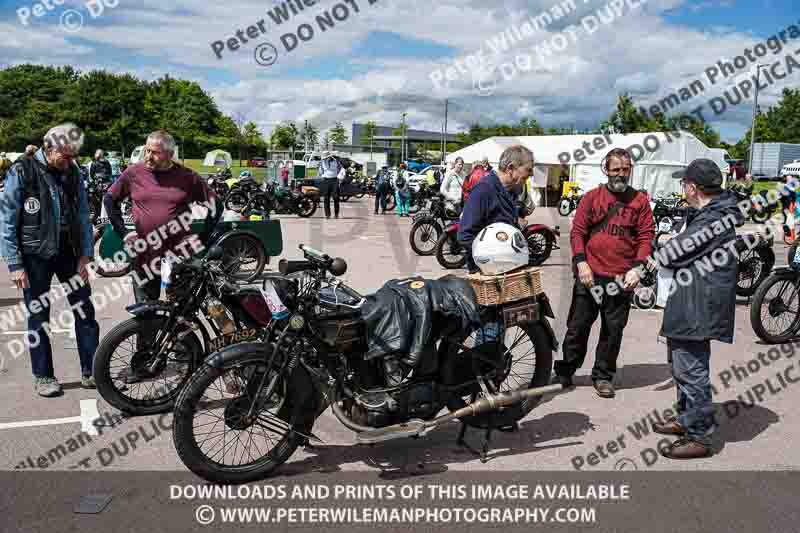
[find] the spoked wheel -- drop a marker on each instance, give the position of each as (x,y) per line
(231,426)
(564,207)
(124,373)
(243,257)
(539,247)
(752,271)
(449,252)
(645,297)
(424,235)
(775,311)
(236,201)
(308,206)
(760,216)
(523,359)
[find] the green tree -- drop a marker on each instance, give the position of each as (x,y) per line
(312,133)
(285,137)
(369,131)
(338,134)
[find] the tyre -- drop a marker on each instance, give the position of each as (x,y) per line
(224,396)
(752,272)
(564,207)
(391,202)
(523,360)
(159,390)
(665,224)
(236,201)
(243,257)
(308,206)
(775,310)
(539,247)
(449,253)
(424,235)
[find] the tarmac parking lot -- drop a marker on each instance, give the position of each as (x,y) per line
(575,430)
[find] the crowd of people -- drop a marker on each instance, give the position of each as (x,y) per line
(45,231)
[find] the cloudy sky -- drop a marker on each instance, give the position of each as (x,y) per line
(384,58)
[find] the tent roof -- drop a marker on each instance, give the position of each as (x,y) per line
(671,148)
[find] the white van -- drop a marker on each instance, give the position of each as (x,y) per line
(138,155)
(792,169)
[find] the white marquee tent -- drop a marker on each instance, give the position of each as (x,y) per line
(659,155)
(218,158)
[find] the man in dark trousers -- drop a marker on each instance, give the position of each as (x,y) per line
(45,232)
(612,238)
(702,304)
(330,169)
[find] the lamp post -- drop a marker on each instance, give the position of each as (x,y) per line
(753,127)
(403,140)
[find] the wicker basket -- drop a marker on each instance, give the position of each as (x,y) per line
(496,290)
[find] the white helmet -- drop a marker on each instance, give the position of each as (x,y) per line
(499,248)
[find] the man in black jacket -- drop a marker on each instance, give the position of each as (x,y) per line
(702,303)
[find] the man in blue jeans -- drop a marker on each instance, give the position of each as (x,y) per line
(46,231)
(702,304)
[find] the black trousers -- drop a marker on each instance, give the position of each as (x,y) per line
(583,311)
(331,188)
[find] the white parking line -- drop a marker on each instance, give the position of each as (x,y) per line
(89,414)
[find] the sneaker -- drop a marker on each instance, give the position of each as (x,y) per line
(87,382)
(47,387)
(604,388)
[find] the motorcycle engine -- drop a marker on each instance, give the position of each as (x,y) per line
(380,409)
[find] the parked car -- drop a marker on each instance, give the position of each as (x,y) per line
(416,166)
(257,162)
(415,179)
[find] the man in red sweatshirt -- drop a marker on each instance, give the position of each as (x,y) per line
(612,237)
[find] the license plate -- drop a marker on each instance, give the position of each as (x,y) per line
(520,314)
(232,338)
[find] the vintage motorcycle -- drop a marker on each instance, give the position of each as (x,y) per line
(775,309)
(142,363)
(273,199)
(542,240)
(318,360)
(429,224)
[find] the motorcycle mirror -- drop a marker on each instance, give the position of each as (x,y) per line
(338,267)
(215,253)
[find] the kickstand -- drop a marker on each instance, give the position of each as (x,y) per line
(483,453)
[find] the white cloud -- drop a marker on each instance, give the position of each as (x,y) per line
(639,53)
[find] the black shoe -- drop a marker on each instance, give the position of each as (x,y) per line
(604,388)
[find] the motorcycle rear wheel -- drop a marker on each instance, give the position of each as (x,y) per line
(564,208)
(519,373)
(539,247)
(308,206)
(752,272)
(236,201)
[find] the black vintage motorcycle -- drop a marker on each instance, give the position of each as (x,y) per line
(141,364)
(775,309)
(273,199)
(318,359)
(430,223)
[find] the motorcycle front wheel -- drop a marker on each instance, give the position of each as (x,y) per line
(122,373)
(214,436)
(449,253)
(775,310)
(564,208)
(308,206)
(752,272)
(236,201)
(539,247)
(424,236)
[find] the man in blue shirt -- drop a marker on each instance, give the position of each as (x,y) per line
(493,200)
(45,231)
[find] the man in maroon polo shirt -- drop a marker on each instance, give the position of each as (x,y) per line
(161,191)
(612,238)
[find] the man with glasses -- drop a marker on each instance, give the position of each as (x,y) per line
(701,306)
(46,231)
(612,238)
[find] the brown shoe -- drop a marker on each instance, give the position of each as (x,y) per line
(671,427)
(686,449)
(604,388)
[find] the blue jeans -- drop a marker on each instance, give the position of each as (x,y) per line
(690,370)
(87,332)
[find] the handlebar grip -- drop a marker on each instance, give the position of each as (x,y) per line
(286,267)
(316,254)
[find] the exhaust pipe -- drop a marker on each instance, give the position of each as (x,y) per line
(418,428)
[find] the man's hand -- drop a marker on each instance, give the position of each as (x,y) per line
(83,269)
(632,279)
(20,279)
(585,274)
(30,150)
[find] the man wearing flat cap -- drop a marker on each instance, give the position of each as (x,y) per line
(702,303)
